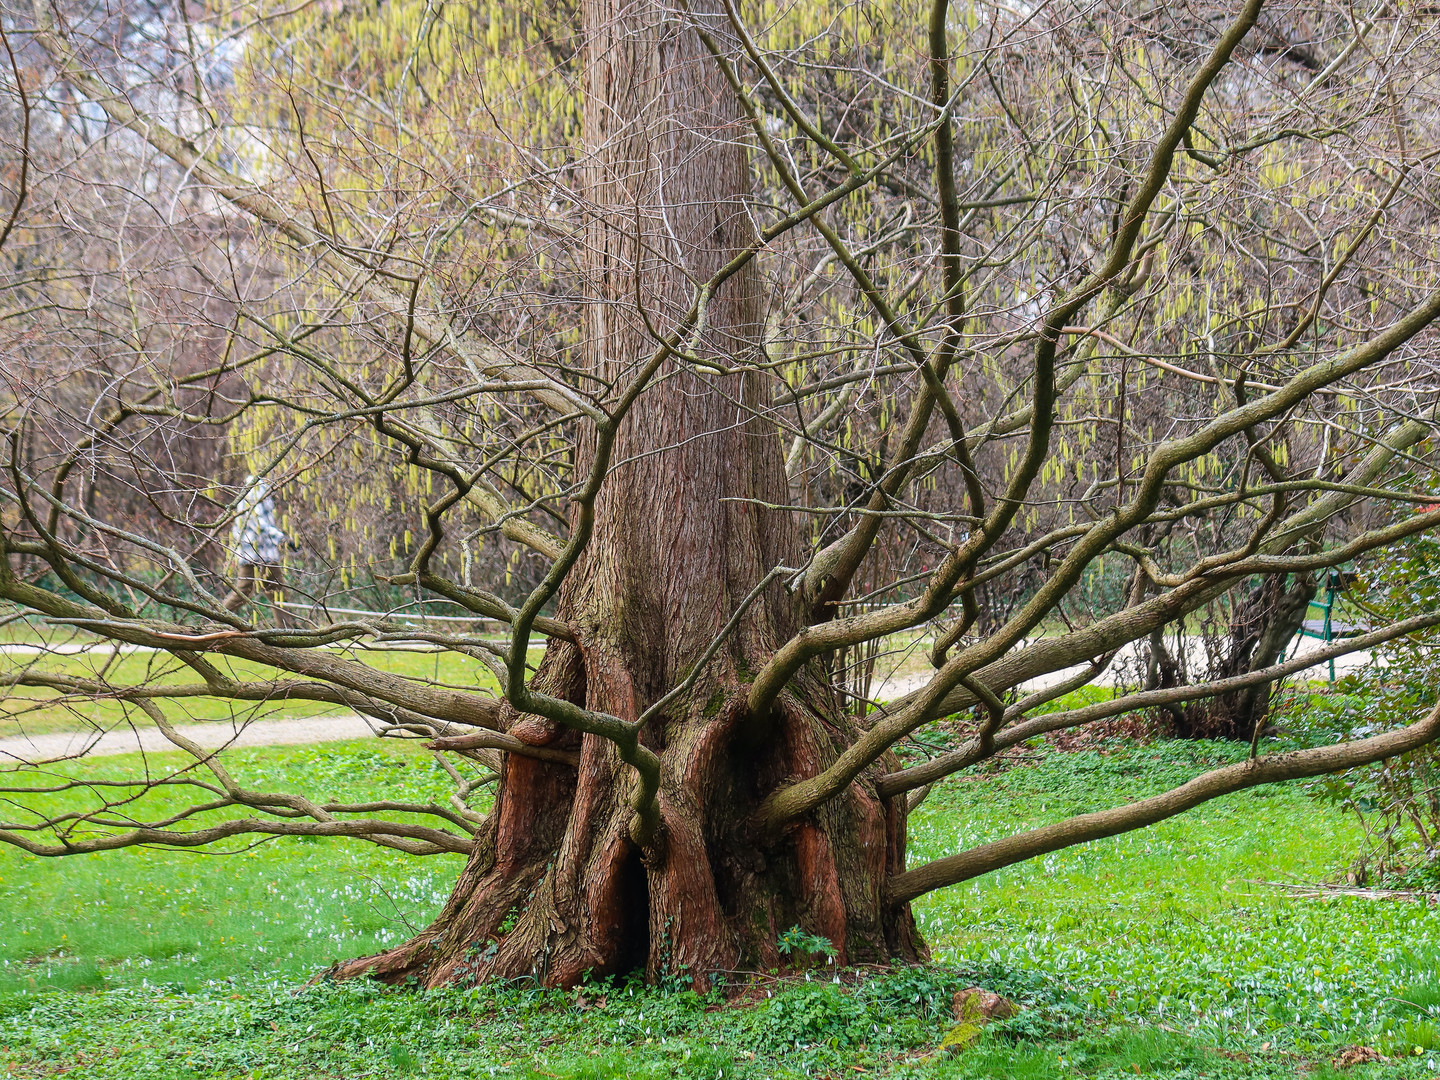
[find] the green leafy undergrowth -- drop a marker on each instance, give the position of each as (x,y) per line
(1164,953)
(609,1029)
(883,1023)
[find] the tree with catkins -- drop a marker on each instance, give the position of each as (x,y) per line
(747,350)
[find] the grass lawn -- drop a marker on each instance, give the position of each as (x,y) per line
(1157,954)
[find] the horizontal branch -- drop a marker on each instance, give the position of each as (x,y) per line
(1000,669)
(1270,769)
(495,740)
(891,784)
(381,688)
(413,839)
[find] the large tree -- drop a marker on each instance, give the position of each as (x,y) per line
(1012,337)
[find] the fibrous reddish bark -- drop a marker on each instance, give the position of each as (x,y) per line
(557,888)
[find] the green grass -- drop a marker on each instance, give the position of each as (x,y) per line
(1172,923)
(143,917)
(1156,954)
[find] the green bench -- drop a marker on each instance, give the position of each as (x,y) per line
(1324,627)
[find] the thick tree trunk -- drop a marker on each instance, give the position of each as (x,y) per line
(557,888)
(1265,621)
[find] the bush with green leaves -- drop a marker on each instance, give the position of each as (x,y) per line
(1397,801)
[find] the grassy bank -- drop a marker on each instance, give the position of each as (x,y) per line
(1157,954)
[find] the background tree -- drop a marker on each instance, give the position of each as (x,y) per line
(745,346)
